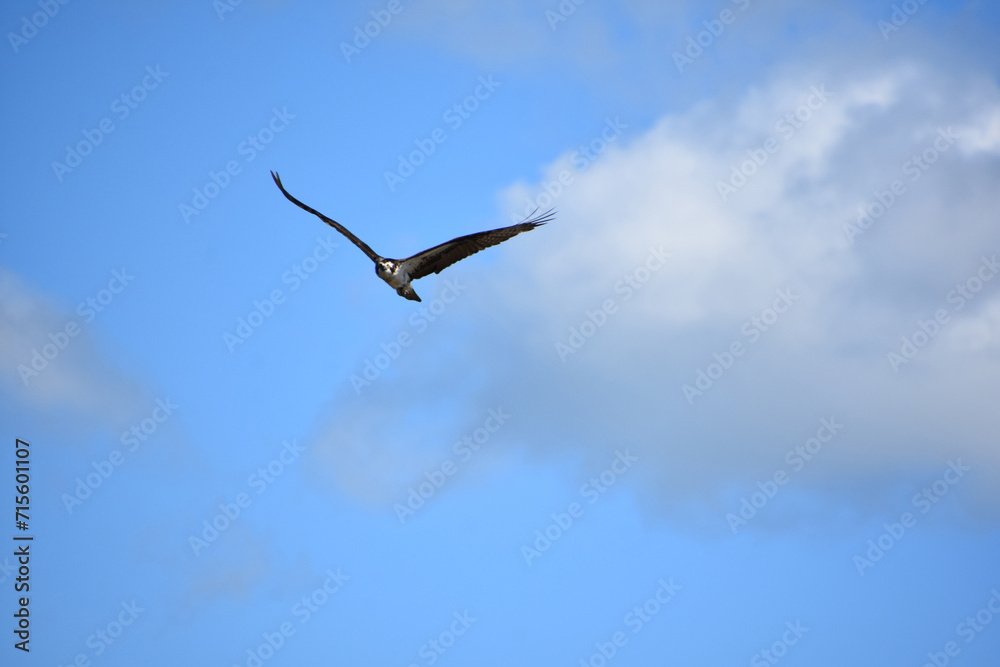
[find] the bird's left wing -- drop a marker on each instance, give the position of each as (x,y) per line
(333,223)
(440,257)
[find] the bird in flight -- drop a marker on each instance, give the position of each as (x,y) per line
(399,273)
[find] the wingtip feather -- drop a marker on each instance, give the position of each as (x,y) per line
(539,220)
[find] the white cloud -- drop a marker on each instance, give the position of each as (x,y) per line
(983,135)
(783,229)
(977,332)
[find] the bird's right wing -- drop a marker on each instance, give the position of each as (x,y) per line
(333,223)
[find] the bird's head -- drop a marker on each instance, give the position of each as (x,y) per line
(384,267)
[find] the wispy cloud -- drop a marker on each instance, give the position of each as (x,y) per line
(51,364)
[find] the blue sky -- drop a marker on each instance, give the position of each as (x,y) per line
(736,405)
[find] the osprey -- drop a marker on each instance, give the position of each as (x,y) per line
(400,272)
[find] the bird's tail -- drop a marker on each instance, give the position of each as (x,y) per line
(408,292)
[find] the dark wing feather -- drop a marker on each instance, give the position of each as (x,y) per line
(440,257)
(333,223)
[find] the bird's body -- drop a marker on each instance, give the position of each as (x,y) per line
(399,273)
(394,274)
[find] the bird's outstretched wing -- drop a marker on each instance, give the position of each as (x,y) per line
(333,223)
(440,257)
